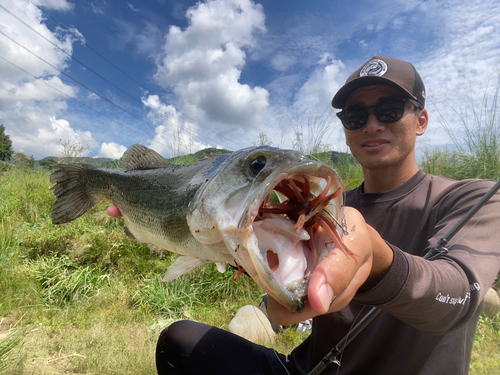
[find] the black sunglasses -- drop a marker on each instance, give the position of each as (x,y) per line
(388,111)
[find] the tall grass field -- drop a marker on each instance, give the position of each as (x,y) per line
(83,298)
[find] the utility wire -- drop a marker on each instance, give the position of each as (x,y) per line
(115,86)
(152,126)
(67,29)
(81,103)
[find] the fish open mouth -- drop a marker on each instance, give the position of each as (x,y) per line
(296,225)
(278,213)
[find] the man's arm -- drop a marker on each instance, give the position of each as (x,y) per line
(437,295)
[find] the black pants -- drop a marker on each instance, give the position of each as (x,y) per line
(189,348)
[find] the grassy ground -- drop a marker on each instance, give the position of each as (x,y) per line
(486,351)
(83,298)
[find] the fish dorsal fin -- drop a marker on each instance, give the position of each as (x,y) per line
(140,157)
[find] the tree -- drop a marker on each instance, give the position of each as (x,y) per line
(6,149)
(23,160)
(48,163)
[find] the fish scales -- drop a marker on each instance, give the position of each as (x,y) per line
(218,210)
(154,202)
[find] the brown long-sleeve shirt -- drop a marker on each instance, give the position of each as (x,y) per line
(429,308)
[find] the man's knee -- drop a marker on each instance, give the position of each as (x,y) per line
(178,338)
(175,343)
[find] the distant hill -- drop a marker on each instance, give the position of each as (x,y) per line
(334,156)
(109,163)
(49,161)
(197,156)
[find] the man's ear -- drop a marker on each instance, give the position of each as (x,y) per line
(422,121)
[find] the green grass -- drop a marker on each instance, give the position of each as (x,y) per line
(10,341)
(84,298)
(486,351)
(63,282)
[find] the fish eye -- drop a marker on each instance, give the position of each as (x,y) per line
(258,164)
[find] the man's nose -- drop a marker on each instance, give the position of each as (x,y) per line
(373,125)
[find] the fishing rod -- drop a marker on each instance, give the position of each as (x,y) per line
(440,248)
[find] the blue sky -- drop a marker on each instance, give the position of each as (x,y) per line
(179,76)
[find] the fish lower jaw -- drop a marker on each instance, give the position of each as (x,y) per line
(286,257)
(299,288)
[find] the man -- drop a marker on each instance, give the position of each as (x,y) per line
(429,308)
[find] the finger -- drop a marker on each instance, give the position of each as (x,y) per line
(331,279)
(113,211)
(339,275)
(279,314)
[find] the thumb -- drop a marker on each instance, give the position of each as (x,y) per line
(336,279)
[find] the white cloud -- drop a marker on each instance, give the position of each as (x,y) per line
(175,135)
(398,23)
(133,8)
(98,8)
(111,150)
(44,90)
(60,5)
(282,62)
(145,37)
(203,62)
(44,141)
(325,58)
(466,59)
(92,96)
(29,107)
(322,84)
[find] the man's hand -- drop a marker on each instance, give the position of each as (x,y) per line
(113,211)
(338,277)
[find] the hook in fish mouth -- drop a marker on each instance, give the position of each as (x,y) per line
(295,228)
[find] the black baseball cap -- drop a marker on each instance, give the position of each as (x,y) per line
(381,70)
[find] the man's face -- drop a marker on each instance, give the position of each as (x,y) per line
(379,145)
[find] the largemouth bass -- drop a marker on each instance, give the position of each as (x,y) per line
(220,210)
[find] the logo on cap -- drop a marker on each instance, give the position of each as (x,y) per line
(375,67)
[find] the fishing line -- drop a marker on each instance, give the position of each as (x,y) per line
(438,249)
(279,359)
(487,210)
(270,340)
(350,330)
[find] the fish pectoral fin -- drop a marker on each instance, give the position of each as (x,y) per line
(139,157)
(182,265)
(221,266)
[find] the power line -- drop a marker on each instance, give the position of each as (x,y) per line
(121,71)
(115,86)
(81,103)
(89,89)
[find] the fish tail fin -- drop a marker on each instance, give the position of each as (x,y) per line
(72,199)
